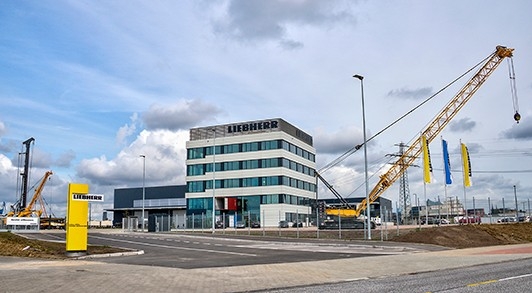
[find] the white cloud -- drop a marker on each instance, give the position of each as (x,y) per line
(250,21)
(337,142)
(125,131)
(165,161)
(415,94)
(182,115)
(3,129)
(462,125)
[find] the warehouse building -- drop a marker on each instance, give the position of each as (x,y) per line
(129,204)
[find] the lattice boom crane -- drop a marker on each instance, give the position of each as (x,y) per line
(438,123)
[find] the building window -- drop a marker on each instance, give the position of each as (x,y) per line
(270,199)
(250,147)
(201,186)
(250,182)
(231,166)
(195,170)
(195,186)
(231,183)
(269,145)
(231,148)
(196,153)
(199,204)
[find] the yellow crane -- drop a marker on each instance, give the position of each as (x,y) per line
(30,210)
(432,130)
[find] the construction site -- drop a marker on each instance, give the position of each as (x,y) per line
(31,213)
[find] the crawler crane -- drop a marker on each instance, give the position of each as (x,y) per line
(30,210)
(434,128)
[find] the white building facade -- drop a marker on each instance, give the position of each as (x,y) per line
(262,171)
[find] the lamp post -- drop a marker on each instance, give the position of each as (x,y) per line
(213,179)
(143,187)
(368,225)
(516,206)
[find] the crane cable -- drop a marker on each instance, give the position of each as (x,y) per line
(357,147)
(513,89)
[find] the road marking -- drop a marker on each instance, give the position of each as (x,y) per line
(499,280)
(175,247)
(481,283)
(515,277)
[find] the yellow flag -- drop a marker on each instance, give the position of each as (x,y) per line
(466,165)
(427,166)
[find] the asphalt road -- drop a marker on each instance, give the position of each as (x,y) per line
(515,276)
(214,263)
(203,251)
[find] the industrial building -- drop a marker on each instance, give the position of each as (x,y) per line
(158,201)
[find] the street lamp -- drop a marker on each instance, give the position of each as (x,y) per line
(143,187)
(213,179)
(368,225)
(516,206)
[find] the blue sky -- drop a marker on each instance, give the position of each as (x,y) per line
(97,83)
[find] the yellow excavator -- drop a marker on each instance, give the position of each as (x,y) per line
(30,211)
(430,132)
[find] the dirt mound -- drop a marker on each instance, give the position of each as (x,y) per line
(465,236)
(14,245)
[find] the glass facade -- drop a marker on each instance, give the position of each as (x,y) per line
(201,152)
(202,186)
(201,169)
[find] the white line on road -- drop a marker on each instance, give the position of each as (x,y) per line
(515,277)
(175,247)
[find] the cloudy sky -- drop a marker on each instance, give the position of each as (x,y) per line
(98,83)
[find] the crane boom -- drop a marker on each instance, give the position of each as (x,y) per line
(331,188)
(26,212)
(436,126)
(25,173)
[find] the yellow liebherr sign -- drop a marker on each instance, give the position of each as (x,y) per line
(77,217)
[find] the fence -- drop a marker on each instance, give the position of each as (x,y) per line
(294,226)
(454,207)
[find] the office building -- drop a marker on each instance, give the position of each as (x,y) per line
(260,171)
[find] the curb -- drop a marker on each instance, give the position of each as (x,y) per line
(138,252)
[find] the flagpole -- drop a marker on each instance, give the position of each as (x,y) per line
(426,203)
(427,166)
(446,166)
(444,173)
(463,177)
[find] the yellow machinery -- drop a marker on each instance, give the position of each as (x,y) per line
(431,132)
(30,210)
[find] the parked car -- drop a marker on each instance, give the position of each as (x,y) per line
(219,225)
(240,224)
(470,220)
(444,221)
(523,219)
(283,224)
(255,224)
(507,220)
(429,221)
(345,224)
(297,224)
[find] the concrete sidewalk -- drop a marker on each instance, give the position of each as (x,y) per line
(32,275)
